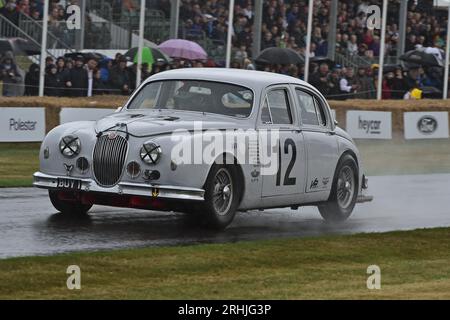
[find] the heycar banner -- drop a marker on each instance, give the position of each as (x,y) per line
(82,114)
(426,125)
(22,124)
(369,124)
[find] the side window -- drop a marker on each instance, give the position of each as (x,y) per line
(266,118)
(307,108)
(278,107)
(320,113)
(311,111)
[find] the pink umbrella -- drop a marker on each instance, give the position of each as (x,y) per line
(184,49)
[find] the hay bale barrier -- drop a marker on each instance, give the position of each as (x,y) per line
(53,107)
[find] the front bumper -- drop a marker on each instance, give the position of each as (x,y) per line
(46,181)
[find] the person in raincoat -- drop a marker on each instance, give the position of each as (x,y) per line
(12,76)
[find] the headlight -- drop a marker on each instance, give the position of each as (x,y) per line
(70,146)
(150,153)
(82,164)
(133,169)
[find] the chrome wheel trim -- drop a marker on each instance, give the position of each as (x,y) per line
(222,192)
(346,187)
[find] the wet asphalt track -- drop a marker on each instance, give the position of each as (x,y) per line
(29,225)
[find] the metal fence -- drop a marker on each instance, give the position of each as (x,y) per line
(10,30)
(356,61)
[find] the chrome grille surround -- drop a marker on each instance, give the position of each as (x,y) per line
(108,160)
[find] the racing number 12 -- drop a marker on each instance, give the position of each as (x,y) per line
(288,181)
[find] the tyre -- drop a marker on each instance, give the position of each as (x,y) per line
(221,196)
(344,191)
(75,208)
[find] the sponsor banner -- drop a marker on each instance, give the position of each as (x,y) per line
(369,124)
(82,114)
(426,125)
(22,124)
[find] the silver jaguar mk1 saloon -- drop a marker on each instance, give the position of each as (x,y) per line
(208,142)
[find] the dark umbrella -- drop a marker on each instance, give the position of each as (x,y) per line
(319,60)
(158,56)
(390,68)
(421,57)
(86,55)
(409,65)
(19,46)
(277,55)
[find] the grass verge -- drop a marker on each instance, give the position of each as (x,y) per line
(414,264)
(18,162)
(405,157)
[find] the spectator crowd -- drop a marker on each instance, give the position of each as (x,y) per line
(283,25)
(80,76)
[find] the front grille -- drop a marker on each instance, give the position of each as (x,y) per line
(109,158)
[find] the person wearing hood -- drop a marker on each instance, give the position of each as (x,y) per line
(63,75)
(32,80)
(9,11)
(105,66)
(100,87)
(78,79)
(11,76)
(119,77)
(53,83)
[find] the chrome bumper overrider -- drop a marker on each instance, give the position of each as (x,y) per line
(46,181)
(363,198)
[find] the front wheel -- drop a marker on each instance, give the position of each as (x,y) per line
(74,208)
(221,196)
(344,191)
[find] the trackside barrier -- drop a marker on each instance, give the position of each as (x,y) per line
(30,124)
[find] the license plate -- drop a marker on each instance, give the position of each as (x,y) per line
(71,184)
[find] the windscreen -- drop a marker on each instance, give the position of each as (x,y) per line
(200,96)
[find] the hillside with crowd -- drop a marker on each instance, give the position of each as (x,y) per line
(283,25)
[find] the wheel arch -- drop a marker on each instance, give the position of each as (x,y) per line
(351,153)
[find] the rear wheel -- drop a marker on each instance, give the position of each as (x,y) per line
(221,196)
(344,191)
(75,207)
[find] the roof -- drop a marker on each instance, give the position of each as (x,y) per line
(249,78)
